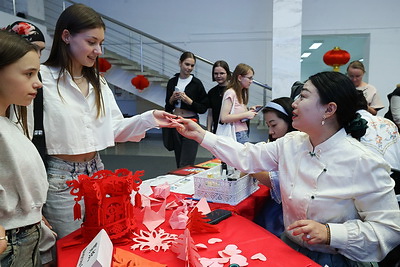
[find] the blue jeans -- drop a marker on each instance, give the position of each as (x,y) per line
(242,137)
(22,247)
(59,207)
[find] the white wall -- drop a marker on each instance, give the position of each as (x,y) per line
(240,31)
(377,18)
(232,30)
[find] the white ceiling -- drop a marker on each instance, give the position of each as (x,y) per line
(356,44)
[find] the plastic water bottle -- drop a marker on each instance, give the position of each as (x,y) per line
(178,102)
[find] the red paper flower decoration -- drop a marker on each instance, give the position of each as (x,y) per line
(140,82)
(336,58)
(104,65)
(23,28)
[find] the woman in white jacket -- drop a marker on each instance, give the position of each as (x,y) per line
(338,202)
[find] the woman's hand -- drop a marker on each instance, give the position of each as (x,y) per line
(186,99)
(165,119)
(190,129)
(176,95)
(250,114)
(3,243)
(312,232)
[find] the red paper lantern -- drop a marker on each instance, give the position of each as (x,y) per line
(104,65)
(140,82)
(336,58)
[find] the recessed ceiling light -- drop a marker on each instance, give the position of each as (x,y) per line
(315,45)
(305,54)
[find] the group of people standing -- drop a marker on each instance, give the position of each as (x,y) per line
(226,102)
(335,198)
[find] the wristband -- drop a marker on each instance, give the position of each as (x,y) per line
(328,233)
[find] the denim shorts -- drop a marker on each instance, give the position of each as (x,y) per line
(59,207)
(22,247)
(242,137)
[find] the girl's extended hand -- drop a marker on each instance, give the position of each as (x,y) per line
(165,119)
(312,232)
(190,129)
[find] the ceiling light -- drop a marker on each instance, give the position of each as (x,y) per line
(305,54)
(315,45)
(361,60)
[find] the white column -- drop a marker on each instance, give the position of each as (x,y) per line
(286,45)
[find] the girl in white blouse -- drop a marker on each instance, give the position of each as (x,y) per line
(338,201)
(81,116)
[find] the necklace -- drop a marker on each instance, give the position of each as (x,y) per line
(77,77)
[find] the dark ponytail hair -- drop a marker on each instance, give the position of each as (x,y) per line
(338,88)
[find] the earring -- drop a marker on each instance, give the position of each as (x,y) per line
(323,120)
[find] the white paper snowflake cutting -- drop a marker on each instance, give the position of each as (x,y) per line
(153,240)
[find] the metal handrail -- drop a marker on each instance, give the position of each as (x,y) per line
(160,41)
(167,53)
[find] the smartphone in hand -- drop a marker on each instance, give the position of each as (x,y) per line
(256,111)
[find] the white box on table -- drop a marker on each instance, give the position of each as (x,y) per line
(210,185)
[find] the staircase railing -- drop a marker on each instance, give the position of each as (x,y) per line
(135,45)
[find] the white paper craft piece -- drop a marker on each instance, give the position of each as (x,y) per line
(259,256)
(239,259)
(214,240)
(203,206)
(201,245)
(98,253)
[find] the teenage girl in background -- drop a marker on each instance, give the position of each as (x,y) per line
(237,94)
(220,74)
(186,97)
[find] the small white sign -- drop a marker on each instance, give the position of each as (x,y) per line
(98,253)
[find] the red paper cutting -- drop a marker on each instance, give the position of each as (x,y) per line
(107,200)
(186,249)
(197,223)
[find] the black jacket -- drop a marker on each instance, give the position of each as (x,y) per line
(388,114)
(195,90)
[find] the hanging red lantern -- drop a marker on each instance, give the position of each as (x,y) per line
(104,65)
(140,82)
(336,58)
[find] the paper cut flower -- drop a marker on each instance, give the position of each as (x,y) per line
(153,240)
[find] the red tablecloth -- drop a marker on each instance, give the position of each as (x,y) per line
(249,237)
